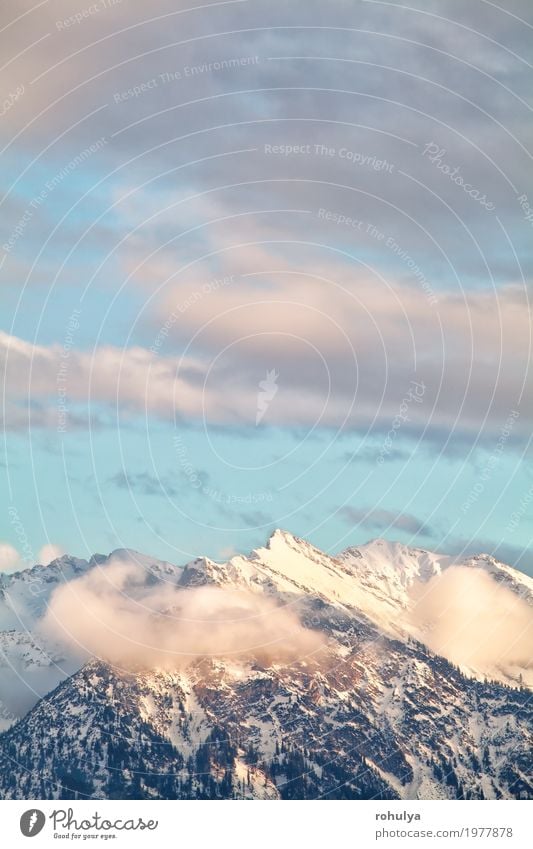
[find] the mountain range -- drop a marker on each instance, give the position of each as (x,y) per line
(382,672)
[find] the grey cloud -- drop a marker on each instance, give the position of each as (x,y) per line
(256,518)
(365,359)
(144,483)
(383,520)
(369,454)
(426,112)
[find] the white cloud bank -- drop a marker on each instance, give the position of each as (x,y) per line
(117,614)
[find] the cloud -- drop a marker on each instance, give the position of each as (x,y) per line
(347,354)
(136,377)
(227,552)
(9,558)
(384,81)
(12,560)
(118,613)
(48,553)
(256,519)
(144,483)
(341,336)
(391,81)
(383,520)
(472,620)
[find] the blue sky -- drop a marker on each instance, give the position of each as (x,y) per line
(221,292)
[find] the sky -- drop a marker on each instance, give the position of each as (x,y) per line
(265,264)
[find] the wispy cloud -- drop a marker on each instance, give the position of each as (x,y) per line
(472,359)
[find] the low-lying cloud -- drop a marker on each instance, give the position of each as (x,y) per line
(474,621)
(119,614)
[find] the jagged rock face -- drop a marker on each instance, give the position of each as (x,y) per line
(373,715)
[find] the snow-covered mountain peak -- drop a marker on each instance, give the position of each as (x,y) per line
(282,542)
(280,537)
(279,534)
